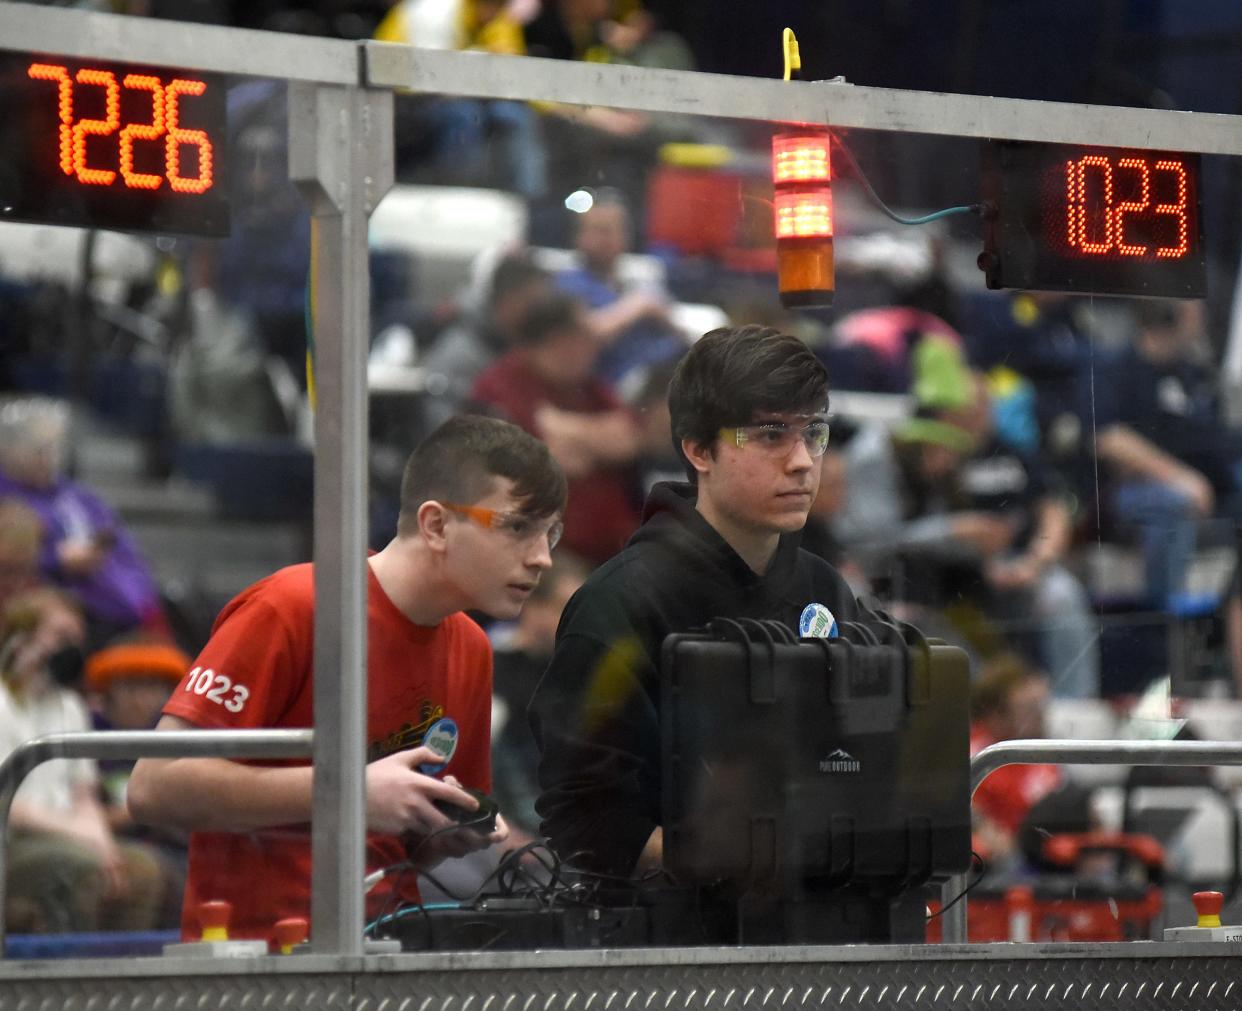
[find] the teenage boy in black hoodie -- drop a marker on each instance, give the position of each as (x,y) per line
(748,409)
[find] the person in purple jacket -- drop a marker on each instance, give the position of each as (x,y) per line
(84,550)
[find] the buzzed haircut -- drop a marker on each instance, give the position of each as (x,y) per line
(459,461)
(735,374)
(551,314)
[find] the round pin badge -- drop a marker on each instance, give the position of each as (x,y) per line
(817,622)
(441,737)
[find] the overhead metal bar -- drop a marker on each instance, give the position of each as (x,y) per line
(91,35)
(482,75)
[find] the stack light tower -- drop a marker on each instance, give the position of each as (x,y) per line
(802,181)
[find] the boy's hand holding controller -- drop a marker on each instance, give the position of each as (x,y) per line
(405,797)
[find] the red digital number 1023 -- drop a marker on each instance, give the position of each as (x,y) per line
(165,122)
(1098,227)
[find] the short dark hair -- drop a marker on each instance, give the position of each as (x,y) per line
(608,196)
(734,373)
(513,273)
(550,314)
(458,461)
(996,681)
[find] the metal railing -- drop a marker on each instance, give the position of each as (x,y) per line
(1074,753)
(134,744)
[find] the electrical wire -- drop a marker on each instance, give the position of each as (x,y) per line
(793,71)
(888,211)
(308,312)
(564,886)
(511,862)
(410,864)
(983,870)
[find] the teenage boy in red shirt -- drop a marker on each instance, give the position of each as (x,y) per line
(481,505)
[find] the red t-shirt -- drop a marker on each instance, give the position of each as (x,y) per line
(256,672)
(1009,793)
(600,515)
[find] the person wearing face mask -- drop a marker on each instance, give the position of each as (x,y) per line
(66,871)
(85,550)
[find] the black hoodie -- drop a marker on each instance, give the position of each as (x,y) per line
(595,714)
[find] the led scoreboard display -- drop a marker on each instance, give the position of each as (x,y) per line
(1104,220)
(110,145)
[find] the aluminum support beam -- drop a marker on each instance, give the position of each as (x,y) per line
(134,744)
(1074,753)
(482,75)
(95,36)
(340,155)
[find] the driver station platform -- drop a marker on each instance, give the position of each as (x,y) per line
(336,108)
(1006,976)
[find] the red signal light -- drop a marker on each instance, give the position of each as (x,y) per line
(804,215)
(800,158)
(801,177)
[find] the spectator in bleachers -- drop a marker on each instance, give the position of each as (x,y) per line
(476,339)
(21,533)
(657,459)
(590,145)
(1232,617)
(454,138)
(128,683)
(969,518)
(635,36)
(876,349)
(66,870)
(819,536)
(260,268)
(1162,437)
(1007,702)
(631,321)
(546,385)
(519,661)
(84,549)
(1040,336)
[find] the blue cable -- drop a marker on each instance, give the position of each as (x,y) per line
(889,212)
(406,910)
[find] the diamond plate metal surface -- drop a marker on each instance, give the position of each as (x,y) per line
(1047,983)
(995,984)
(204,993)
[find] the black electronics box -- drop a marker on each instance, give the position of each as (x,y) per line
(633,919)
(823,782)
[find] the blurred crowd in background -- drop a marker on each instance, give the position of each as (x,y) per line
(1051,481)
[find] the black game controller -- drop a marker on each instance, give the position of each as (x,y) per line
(483,820)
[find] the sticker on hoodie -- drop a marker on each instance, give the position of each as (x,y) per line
(441,737)
(817,622)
